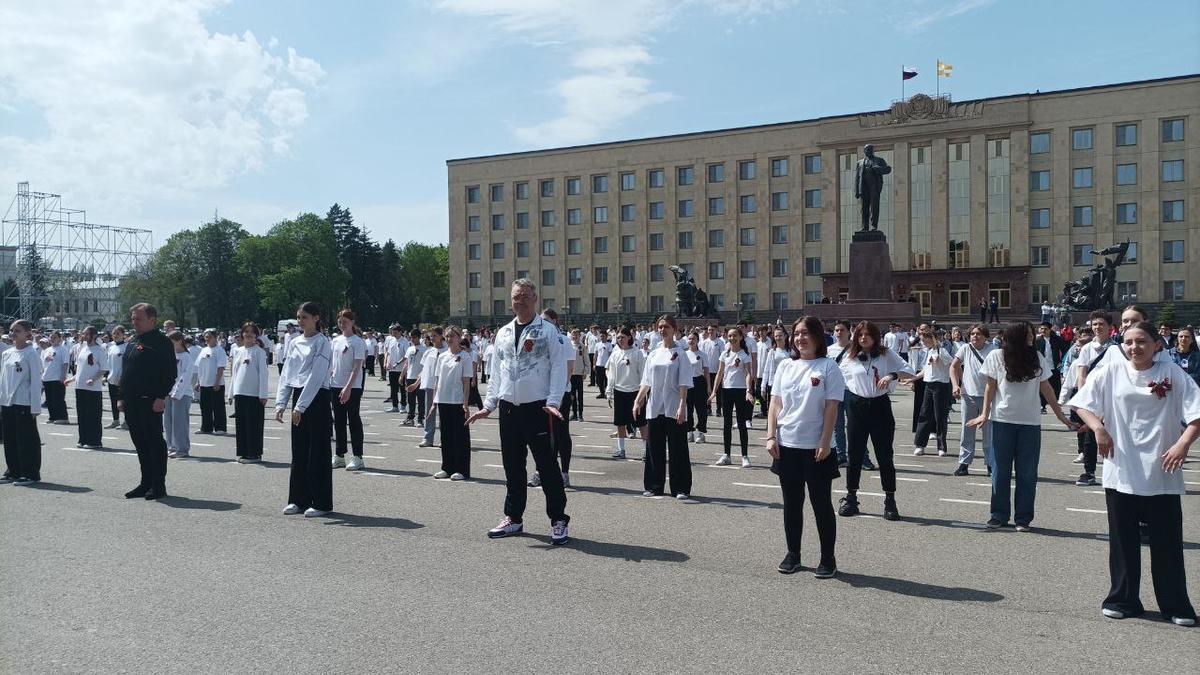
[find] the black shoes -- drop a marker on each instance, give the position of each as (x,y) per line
(994,524)
(826,570)
(961,470)
(849,506)
(1086,479)
(889,509)
(790,564)
(155,493)
(139,491)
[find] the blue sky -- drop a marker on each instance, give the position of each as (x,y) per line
(155,113)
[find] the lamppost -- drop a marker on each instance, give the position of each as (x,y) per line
(738,305)
(620,315)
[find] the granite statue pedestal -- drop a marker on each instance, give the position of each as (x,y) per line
(870,286)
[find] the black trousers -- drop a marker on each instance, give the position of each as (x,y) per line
(473,395)
(798,470)
(406,399)
(591,369)
(114,395)
(870,418)
(146,432)
(212,410)
(697,405)
(918,401)
(89,409)
(22,444)
(720,396)
(1086,442)
(764,400)
(602,382)
(347,415)
(56,400)
(995,315)
(248,425)
(526,429)
(311,481)
(416,403)
(935,414)
(562,435)
(394,388)
(456,439)
(1055,383)
(735,401)
(1164,523)
(577,396)
(664,434)
(369,365)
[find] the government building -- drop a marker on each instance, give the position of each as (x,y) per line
(1003,197)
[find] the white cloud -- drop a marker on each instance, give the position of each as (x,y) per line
(925,14)
(140,99)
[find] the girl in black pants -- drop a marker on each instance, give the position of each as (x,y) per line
(454,368)
(305,384)
(934,361)
(20,385)
(662,395)
(698,395)
(736,375)
(249,391)
(580,368)
(91,364)
(807,391)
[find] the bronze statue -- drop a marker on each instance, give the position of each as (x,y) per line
(690,300)
(1095,291)
(868,186)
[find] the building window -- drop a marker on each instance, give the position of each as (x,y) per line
(1039,181)
(1172,251)
(1081,255)
(522,249)
(685,240)
(575,276)
(548,218)
(1127,213)
(716,270)
(472,223)
(627,276)
(685,175)
(656,178)
(497,279)
(496,192)
(779,301)
(600,275)
(574,247)
(473,194)
(546,187)
(600,245)
(628,243)
(779,167)
(599,214)
(472,251)
(1039,256)
(1081,216)
(812,267)
(1172,130)
(1039,143)
(747,204)
(656,210)
(779,201)
(574,186)
(1039,219)
(812,232)
(718,300)
(522,190)
(687,208)
(599,184)
(549,247)
(474,308)
(748,302)
(498,251)
(474,280)
(1172,171)
(547,277)
(1131,253)
(499,308)
(1126,174)
(1172,290)
(1081,177)
(747,269)
(574,216)
(812,199)
(1039,293)
(779,267)
(628,213)
(629,303)
(628,181)
(1081,139)
(656,241)
(812,297)
(523,220)
(1172,211)
(1126,291)
(716,238)
(716,173)
(747,170)
(1126,134)
(656,304)
(746,236)
(497,221)
(1002,292)
(716,206)
(812,164)
(779,234)
(657,272)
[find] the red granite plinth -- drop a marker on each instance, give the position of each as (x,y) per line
(879,313)
(870,268)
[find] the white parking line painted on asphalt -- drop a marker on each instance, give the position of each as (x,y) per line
(591,473)
(1087,510)
(759,485)
(988,485)
(585,445)
(111,438)
(273,438)
(964,501)
(1191,482)
(376,473)
(374,457)
(861,492)
(912,466)
(432,461)
(911,480)
(56,433)
(371,433)
(106,452)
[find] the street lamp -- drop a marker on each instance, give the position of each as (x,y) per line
(620,316)
(738,305)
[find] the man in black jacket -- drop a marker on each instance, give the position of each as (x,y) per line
(1053,347)
(149,374)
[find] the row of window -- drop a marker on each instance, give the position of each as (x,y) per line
(657,304)
(747,269)
(1127,214)
(1126,292)
(1083,138)
(1082,254)
(1127,174)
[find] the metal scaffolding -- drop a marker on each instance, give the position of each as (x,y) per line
(50,256)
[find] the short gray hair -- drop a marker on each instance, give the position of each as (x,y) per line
(525,282)
(148,309)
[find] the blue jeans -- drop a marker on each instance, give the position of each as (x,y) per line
(1015,447)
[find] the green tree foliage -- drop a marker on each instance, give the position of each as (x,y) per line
(296,261)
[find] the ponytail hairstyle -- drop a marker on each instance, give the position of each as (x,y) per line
(1021,362)
(741,340)
(348,314)
(313,309)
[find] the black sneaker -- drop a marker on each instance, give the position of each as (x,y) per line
(826,570)
(962,470)
(139,491)
(849,506)
(7,478)
(989,472)
(842,464)
(790,564)
(1086,479)
(868,466)
(889,509)
(994,524)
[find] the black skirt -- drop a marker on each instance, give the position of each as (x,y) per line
(623,409)
(809,466)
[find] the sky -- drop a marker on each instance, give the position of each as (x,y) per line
(161,113)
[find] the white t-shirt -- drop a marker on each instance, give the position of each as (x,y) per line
(603,350)
(1015,402)
(249,373)
(1142,425)
(451,369)
(345,352)
(90,361)
(698,363)
(210,360)
(416,360)
(973,381)
(802,387)
(625,368)
(862,377)
(737,365)
(1116,354)
(935,363)
(429,372)
(665,372)
(116,357)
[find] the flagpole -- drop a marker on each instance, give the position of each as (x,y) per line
(937,75)
(902,79)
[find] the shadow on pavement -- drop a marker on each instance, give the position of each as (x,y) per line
(728,502)
(225,460)
(58,487)
(1037,530)
(917,589)
(355,520)
(627,552)
(177,502)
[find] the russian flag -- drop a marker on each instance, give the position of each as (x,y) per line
(908,73)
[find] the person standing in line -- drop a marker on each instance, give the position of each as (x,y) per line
(994,309)
(20,405)
(773,349)
(1137,408)
(1089,358)
(624,378)
(871,372)
(527,387)
(766,346)
(968,386)
(147,376)
(1185,354)
(1015,374)
(983,307)
(116,355)
(560,438)
(249,391)
(454,367)
(55,361)
(210,366)
(346,385)
(697,399)
(409,368)
(304,386)
(663,396)
(394,354)
(428,384)
(751,346)
(91,364)
(372,348)
(176,427)
(603,350)
(837,351)
(935,361)
(1052,347)
(593,338)
(474,351)
(910,349)
(804,402)
(579,367)
(736,375)
(279,353)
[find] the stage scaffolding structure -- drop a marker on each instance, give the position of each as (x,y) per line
(55,256)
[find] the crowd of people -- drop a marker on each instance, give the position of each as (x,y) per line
(1128,389)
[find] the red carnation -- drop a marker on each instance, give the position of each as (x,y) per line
(528,345)
(816,381)
(1160,389)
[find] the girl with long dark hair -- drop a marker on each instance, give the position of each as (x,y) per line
(736,375)
(698,394)
(934,359)
(249,392)
(91,362)
(346,382)
(624,378)
(179,402)
(663,396)
(1185,354)
(304,385)
(454,369)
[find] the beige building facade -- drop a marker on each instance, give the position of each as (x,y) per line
(1003,197)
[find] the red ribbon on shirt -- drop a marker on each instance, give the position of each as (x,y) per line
(1160,389)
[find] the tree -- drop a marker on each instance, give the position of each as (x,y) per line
(359,258)
(296,261)
(33,265)
(425,275)
(224,295)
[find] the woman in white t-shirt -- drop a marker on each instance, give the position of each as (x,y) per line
(1016,373)
(623,375)
(736,375)
(777,350)
(604,349)
(968,384)
(91,362)
(1136,408)
(179,401)
(698,394)
(804,404)
(934,361)
(346,391)
(249,393)
(663,396)
(454,368)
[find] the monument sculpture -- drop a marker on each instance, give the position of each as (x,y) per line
(868,186)
(1095,291)
(690,300)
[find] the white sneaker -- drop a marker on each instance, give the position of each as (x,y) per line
(558,533)
(613,435)
(750,423)
(1183,621)
(424,444)
(355,464)
(1112,613)
(691,437)
(393,409)
(724,461)
(291,510)
(315,513)
(618,454)
(941,453)
(457,476)
(506,528)
(441,475)
(745,462)
(918,452)
(681,496)
(699,437)
(339,462)
(1078,459)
